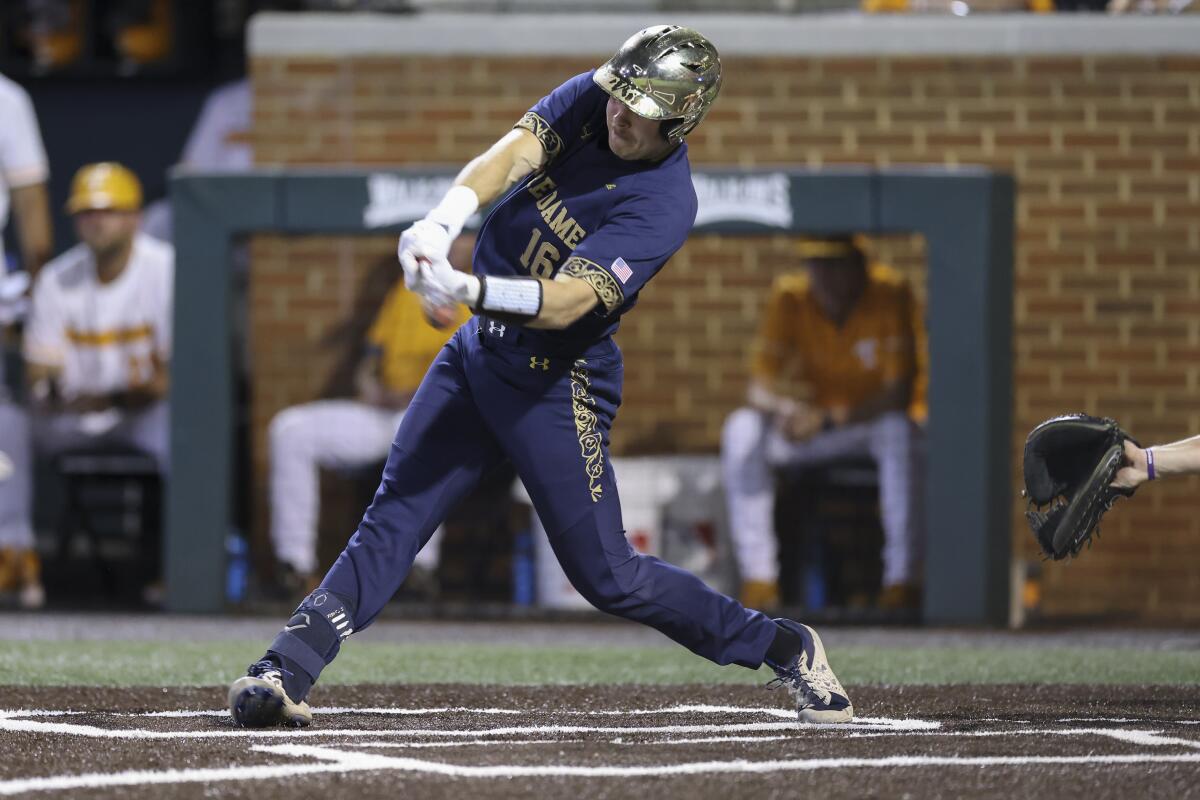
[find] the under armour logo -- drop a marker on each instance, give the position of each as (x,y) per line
(535,362)
(495,328)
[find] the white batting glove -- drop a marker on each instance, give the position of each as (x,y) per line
(424,240)
(439,278)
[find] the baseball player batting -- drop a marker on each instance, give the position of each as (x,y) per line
(593,195)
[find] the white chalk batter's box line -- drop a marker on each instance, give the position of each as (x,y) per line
(309,759)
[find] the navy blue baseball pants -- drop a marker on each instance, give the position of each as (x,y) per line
(493,394)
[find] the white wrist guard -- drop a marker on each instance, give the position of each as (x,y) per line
(516,299)
(455,209)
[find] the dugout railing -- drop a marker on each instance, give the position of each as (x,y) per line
(964,214)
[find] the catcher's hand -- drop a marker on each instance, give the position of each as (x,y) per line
(1070,462)
(1135,472)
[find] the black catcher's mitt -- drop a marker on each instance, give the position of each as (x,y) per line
(1069,463)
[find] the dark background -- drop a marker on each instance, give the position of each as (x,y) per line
(100,108)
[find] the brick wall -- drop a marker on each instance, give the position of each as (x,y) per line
(1106,151)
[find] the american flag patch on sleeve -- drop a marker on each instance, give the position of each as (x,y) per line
(622,270)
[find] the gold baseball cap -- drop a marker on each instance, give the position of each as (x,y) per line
(105,186)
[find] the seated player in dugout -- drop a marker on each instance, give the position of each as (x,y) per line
(98,340)
(98,336)
(838,371)
(401,343)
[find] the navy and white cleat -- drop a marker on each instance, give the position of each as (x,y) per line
(257,700)
(819,695)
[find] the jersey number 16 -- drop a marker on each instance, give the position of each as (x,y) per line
(541,264)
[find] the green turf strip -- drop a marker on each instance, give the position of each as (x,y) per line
(147,663)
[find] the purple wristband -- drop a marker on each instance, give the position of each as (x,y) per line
(1149,464)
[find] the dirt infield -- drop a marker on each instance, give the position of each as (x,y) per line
(445,741)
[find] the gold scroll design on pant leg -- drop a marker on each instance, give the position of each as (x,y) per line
(584,406)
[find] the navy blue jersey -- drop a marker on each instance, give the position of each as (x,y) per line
(588,214)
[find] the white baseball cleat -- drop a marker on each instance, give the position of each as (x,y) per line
(810,680)
(257,700)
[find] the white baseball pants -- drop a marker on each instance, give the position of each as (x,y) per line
(331,434)
(751,449)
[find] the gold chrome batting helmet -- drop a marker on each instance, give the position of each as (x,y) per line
(666,73)
(106,186)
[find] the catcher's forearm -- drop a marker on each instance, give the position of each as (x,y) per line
(1177,458)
